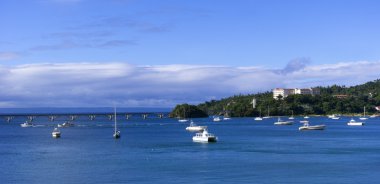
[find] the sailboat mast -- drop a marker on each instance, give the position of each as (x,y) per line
(115,118)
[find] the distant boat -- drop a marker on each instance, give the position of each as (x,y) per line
(373,116)
(226,118)
(266,117)
(306,126)
(65,125)
(216,119)
(306,117)
(281,122)
(26,124)
(194,128)
(116,133)
(259,118)
(291,117)
(183,120)
(363,117)
(352,122)
(204,137)
(56,133)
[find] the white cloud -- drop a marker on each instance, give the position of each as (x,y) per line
(98,84)
(8,56)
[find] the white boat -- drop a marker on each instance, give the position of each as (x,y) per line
(65,125)
(258,119)
(306,117)
(56,133)
(204,137)
(217,119)
(373,116)
(195,128)
(333,116)
(26,124)
(116,133)
(291,117)
(266,117)
(363,117)
(306,126)
(281,122)
(183,120)
(352,122)
(226,118)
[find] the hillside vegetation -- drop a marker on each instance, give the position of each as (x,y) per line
(367,95)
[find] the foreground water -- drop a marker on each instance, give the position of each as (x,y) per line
(161,151)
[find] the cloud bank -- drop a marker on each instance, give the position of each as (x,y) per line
(103,84)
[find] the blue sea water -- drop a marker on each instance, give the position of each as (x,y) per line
(161,151)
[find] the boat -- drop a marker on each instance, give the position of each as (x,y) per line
(204,136)
(226,118)
(291,117)
(65,125)
(363,117)
(373,116)
(281,122)
(56,133)
(306,126)
(216,119)
(333,117)
(116,133)
(195,128)
(26,124)
(259,118)
(306,117)
(183,120)
(266,117)
(352,122)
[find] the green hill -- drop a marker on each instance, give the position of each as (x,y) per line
(351,101)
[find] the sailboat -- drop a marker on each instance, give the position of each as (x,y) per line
(259,118)
(266,117)
(291,117)
(116,133)
(363,118)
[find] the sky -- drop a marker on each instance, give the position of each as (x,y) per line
(144,53)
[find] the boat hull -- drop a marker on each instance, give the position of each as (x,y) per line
(283,123)
(355,123)
(205,139)
(195,128)
(56,135)
(315,127)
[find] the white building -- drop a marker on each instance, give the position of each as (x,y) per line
(286,92)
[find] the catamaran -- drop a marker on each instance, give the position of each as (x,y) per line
(204,137)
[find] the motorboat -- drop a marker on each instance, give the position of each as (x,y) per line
(352,122)
(195,128)
(183,120)
(373,116)
(333,116)
(116,133)
(258,119)
(216,119)
(281,122)
(226,118)
(204,136)
(306,126)
(65,125)
(306,117)
(26,124)
(56,133)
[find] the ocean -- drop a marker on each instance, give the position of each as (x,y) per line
(158,150)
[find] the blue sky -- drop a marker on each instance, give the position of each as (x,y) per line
(200,49)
